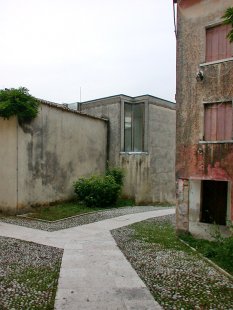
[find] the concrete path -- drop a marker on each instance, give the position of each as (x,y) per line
(94,272)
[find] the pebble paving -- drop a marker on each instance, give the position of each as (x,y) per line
(77,220)
(28,274)
(177,279)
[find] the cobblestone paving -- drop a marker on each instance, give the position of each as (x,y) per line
(178,279)
(77,220)
(28,274)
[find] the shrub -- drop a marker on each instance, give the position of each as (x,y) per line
(18,102)
(97,191)
(118,175)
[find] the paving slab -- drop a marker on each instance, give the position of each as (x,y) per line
(94,272)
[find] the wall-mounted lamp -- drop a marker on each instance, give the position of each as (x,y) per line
(200,76)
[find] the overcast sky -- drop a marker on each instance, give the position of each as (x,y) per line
(106,47)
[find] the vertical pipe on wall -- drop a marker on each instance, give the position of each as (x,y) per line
(108,144)
(17,164)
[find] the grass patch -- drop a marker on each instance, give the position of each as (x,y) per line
(30,285)
(29,274)
(220,252)
(64,210)
(163,234)
(177,277)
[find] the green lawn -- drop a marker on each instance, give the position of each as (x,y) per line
(220,252)
(177,276)
(64,210)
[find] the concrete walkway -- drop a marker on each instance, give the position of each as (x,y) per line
(94,272)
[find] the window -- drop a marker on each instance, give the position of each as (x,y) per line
(217,45)
(218,121)
(134,127)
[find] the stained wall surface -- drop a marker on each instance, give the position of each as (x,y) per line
(149,175)
(198,159)
(8,164)
(50,153)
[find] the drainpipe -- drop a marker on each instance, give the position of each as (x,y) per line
(108,144)
(17,164)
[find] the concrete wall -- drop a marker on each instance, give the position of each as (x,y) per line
(46,156)
(150,175)
(111,110)
(161,147)
(8,165)
(197,159)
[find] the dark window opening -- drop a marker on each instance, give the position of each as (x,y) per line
(214,202)
(134,127)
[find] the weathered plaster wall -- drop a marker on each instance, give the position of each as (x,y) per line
(110,110)
(161,147)
(8,167)
(150,176)
(54,150)
(138,184)
(195,159)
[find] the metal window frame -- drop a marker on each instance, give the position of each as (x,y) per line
(145,126)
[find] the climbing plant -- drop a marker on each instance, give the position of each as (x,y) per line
(18,102)
(228,20)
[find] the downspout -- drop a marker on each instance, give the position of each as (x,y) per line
(174,17)
(17,164)
(108,144)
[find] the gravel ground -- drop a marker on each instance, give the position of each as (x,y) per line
(178,279)
(28,274)
(78,220)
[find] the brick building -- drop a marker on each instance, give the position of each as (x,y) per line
(204,158)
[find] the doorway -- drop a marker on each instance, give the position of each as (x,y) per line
(214,202)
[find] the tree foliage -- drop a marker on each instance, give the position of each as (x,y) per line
(18,102)
(228,20)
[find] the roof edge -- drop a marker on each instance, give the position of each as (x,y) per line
(64,108)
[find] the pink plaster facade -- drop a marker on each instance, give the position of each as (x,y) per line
(204,152)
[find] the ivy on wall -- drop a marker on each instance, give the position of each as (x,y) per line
(18,102)
(228,20)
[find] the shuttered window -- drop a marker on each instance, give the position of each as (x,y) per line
(218,122)
(217,45)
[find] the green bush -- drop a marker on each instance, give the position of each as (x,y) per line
(118,175)
(97,191)
(18,102)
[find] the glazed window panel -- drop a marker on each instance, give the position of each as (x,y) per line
(217,45)
(218,122)
(128,127)
(134,127)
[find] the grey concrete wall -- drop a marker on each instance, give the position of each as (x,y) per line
(54,150)
(149,176)
(110,110)
(138,183)
(161,147)
(8,167)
